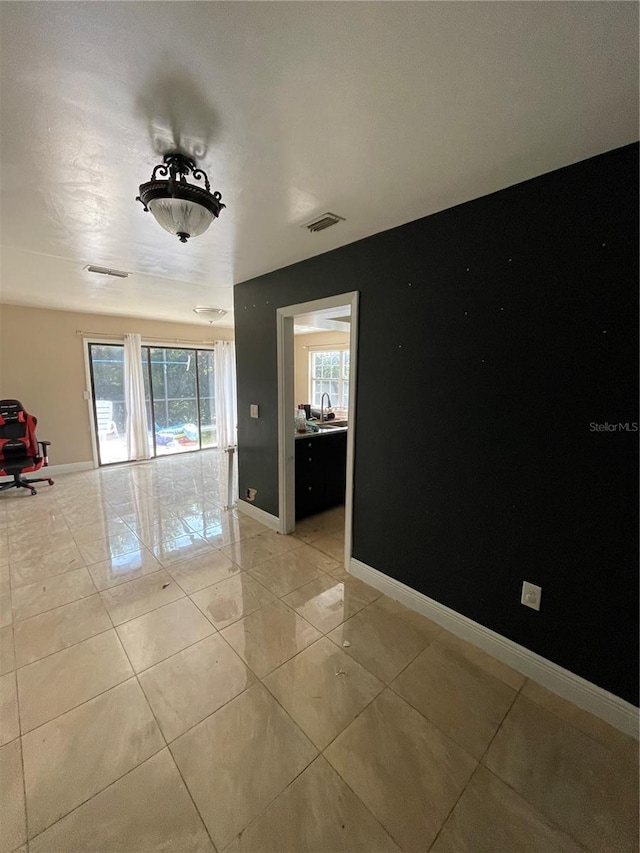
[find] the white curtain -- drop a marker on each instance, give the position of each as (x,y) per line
(226,401)
(137,427)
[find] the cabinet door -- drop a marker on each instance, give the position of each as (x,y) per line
(334,469)
(309,477)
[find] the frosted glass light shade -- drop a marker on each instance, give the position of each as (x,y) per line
(181,208)
(184,218)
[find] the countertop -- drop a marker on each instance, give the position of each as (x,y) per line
(330,431)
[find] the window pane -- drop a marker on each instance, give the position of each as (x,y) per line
(334,365)
(147,395)
(181,379)
(206,383)
(330,371)
(158,374)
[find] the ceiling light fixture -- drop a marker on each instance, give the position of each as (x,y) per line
(183,209)
(216,313)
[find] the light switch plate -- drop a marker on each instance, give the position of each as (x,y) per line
(531,595)
(253,410)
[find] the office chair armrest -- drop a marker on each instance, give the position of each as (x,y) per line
(45,455)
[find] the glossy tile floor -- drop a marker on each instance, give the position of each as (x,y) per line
(177,678)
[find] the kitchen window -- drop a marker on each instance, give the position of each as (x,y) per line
(329,373)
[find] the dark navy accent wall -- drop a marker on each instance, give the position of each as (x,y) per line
(491,336)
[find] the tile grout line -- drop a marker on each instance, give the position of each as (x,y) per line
(73,601)
(99,592)
(80,704)
(577,728)
(51,577)
(208,586)
(166,743)
(70,646)
(93,796)
(30,838)
(478,764)
(320,752)
(262,607)
(485,675)
(520,794)
(335,769)
(298,728)
(541,815)
(215,631)
(15,676)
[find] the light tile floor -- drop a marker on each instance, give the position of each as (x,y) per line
(177,678)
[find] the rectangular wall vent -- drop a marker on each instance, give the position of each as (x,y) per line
(322,222)
(107,271)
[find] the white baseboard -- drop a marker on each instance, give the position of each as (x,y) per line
(71,467)
(614,710)
(270,521)
(56,470)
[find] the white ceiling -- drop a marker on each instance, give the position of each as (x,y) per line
(325,320)
(380,112)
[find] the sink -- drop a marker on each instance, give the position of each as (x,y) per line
(332,425)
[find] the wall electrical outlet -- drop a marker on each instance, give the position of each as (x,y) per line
(531,595)
(253,410)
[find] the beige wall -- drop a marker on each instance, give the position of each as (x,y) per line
(301,355)
(42,364)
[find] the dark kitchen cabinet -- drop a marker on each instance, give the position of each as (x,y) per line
(321,463)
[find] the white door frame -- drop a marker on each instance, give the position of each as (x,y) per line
(89,395)
(286,403)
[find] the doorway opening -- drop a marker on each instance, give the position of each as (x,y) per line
(317,369)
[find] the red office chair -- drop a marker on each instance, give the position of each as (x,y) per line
(19,448)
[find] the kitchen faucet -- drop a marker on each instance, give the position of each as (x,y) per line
(322,405)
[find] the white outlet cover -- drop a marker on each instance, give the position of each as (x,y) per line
(531,595)
(253,410)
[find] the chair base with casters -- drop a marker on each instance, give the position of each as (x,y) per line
(20,450)
(20,482)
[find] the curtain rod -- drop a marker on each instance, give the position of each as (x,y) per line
(83,334)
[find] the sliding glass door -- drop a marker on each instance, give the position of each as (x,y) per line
(180,394)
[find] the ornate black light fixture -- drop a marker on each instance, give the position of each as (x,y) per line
(183,209)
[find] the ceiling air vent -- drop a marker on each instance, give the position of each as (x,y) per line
(107,271)
(322,222)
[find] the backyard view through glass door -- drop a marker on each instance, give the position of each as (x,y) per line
(180,395)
